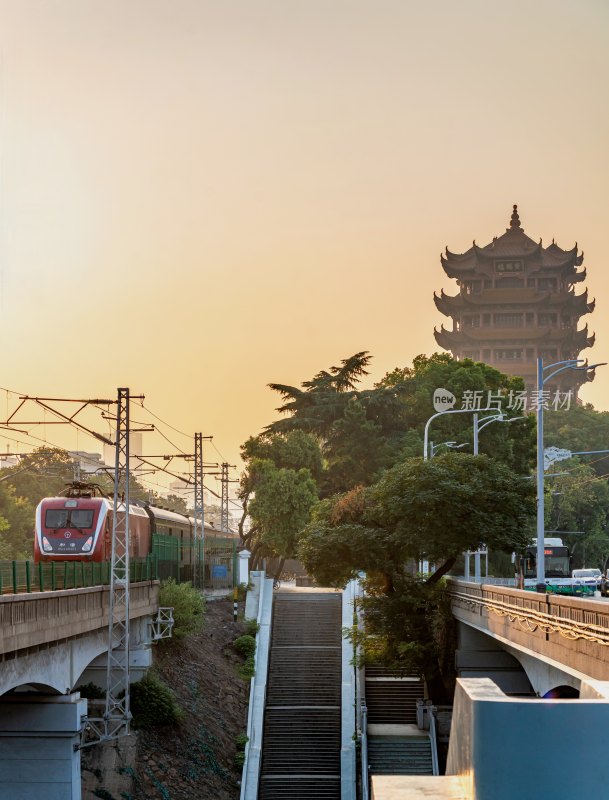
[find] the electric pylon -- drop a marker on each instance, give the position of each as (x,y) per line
(117,715)
(199,512)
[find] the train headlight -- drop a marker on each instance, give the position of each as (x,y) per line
(87,545)
(46,545)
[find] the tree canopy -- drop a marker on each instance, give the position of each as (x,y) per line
(580,428)
(417,510)
(347,435)
(363,431)
(277,490)
(432,510)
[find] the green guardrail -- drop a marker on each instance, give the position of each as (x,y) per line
(17,577)
(215,561)
(211,564)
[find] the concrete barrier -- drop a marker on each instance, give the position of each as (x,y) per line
(504,748)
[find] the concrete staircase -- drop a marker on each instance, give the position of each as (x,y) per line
(302,718)
(396,746)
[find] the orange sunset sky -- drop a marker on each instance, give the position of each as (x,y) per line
(198,198)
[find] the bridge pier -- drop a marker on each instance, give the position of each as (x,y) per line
(39,737)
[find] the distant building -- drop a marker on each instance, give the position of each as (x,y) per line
(516,302)
(89,463)
(7,461)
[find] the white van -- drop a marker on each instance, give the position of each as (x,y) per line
(588,580)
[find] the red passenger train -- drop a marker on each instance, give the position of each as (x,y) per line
(78,527)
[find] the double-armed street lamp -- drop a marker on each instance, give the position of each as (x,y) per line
(429,452)
(545,374)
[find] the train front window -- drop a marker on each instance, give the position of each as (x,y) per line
(56,518)
(81,518)
(59,518)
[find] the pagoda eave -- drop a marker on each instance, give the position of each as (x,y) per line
(445,339)
(578,277)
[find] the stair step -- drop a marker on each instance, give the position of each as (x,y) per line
(393,701)
(399,755)
(299,787)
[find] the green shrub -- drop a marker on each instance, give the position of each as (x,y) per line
(188,607)
(241,740)
(153,703)
(247,670)
(245,645)
(104,794)
(251,627)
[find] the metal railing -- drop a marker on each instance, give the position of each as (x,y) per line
(364,752)
(18,577)
(434,740)
(572,617)
(168,559)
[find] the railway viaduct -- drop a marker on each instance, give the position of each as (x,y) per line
(50,643)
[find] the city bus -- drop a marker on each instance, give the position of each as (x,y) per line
(557,568)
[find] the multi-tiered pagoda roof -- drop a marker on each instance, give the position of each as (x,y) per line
(516,302)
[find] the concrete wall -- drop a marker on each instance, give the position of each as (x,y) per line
(258,606)
(541,674)
(43,618)
(504,748)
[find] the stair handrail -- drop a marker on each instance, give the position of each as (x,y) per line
(255,713)
(434,739)
(348,770)
(360,688)
(364,751)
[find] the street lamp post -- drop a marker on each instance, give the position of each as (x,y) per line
(542,379)
(480,424)
(429,450)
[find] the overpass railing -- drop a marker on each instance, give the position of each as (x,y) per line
(571,617)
